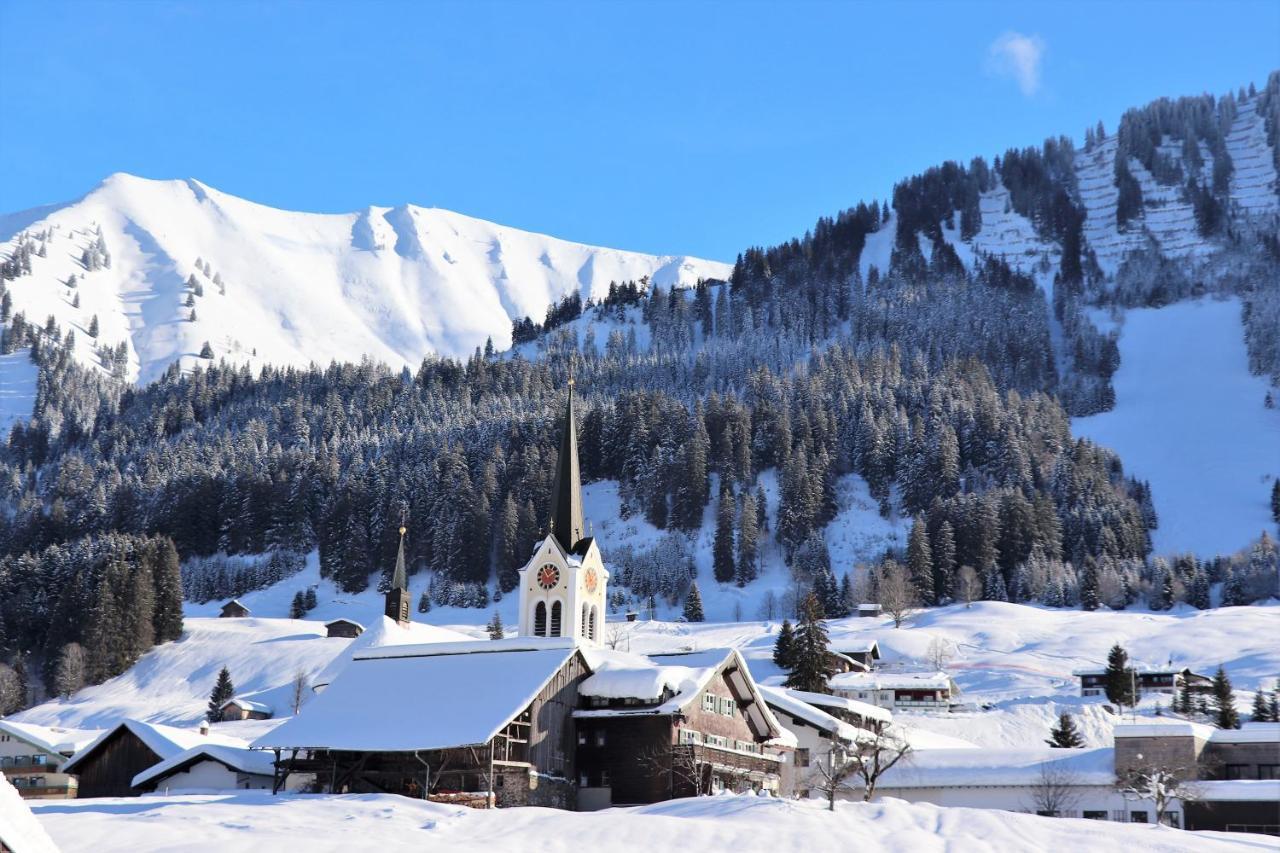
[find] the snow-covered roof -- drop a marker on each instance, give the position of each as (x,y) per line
(1140,669)
(384,632)
(164,741)
(19,829)
(1239,790)
(892,681)
(868,606)
(856,646)
(51,739)
(853,706)
(238,603)
(248,705)
(345,621)
(433,696)
(968,768)
(1248,733)
(1163,728)
(238,758)
(781,699)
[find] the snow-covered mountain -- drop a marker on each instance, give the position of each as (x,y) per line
(390,283)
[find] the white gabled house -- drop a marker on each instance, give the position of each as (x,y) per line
(898,691)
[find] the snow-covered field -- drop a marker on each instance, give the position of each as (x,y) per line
(250,821)
(393,284)
(1189,418)
(18,377)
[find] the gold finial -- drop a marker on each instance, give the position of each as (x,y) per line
(402,528)
(571,382)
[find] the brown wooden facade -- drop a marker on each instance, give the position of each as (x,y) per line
(109,769)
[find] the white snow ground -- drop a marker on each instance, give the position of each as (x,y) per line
(252,821)
(393,284)
(20,831)
(18,379)
(1189,417)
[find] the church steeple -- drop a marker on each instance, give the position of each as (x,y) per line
(566,518)
(397,604)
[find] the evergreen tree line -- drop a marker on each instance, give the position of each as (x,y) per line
(219,577)
(112,596)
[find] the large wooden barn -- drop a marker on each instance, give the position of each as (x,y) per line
(108,765)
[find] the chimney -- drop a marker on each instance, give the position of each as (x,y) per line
(204,728)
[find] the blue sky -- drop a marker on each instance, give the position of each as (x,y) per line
(662,127)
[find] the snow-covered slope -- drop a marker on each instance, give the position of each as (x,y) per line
(252,821)
(1190,419)
(391,283)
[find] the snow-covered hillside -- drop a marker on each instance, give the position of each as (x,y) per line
(1190,419)
(251,821)
(390,283)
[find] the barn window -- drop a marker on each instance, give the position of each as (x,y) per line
(540,620)
(555,619)
(592,632)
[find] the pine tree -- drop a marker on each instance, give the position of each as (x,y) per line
(424,602)
(1089,596)
(1224,704)
(1261,709)
(223,691)
(1119,677)
(93,326)
(167,576)
(748,539)
(810,660)
(783,646)
(495,628)
(693,605)
(920,563)
(310,601)
(723,547)
(1065,735)
(944,562)
(298,609)
(1275,501)
(206,351)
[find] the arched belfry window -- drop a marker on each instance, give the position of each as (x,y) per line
(555,619)
(540,620)
(592,633)
(586,628)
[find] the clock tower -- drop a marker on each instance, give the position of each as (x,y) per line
(562,587)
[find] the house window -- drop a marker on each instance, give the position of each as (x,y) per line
(688,736)
(1138,817)
(1238,771)
(583,781)
(600,737)
(1095,814)
(582,737)
(555,619)
(540,620)
(37,759)
(802,757)
(604,778)
(708,702)
(727,707)
(1172,819)
(1269,771)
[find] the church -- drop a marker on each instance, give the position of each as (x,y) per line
(549,718)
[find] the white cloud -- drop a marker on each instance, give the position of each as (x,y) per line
(1017,56)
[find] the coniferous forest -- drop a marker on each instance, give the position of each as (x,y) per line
(942,385)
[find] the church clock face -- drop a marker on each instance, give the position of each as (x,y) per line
(548,576)
(592,580)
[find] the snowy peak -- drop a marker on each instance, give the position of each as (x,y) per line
(159,268)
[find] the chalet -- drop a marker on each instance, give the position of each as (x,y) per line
(346,628)
(864,652)
(32,758)
(241,708)
(107,766)
(666,726)
(821,725)
(484,723)
(234,610)
(869,611)
(1148,681)
(209,766)
(901,691)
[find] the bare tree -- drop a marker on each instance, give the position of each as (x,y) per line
(69,675)
(1160,784)
(969,587)
(897,593)
(939,653)
(11,698)
(834,773)
(617,636)
(299,691)
(690,765)
(769,606)
(878,749)
(1056,790)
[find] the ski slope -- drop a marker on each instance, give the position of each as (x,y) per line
(1189,418)
(390,283)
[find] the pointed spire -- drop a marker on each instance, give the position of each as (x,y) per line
(400,579)
(566,511)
